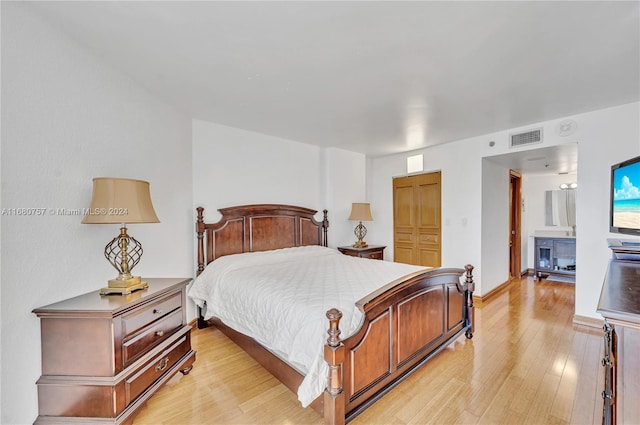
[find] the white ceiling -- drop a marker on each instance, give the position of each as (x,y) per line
(558,159)
(371,77)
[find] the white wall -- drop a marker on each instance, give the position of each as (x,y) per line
(461,200)
(345,177)
(534,190)
(66,118)
(236,167)
(605,137)
(495,225)
(608,137)
(1,206)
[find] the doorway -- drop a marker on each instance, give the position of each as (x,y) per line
(515,232)
(539,170)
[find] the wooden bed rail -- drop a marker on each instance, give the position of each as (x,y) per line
(346,395)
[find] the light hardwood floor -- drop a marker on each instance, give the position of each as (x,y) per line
(526,364)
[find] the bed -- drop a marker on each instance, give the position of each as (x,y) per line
(367,345)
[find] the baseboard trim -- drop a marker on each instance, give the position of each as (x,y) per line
(480,299)
(587,321)
(194,324)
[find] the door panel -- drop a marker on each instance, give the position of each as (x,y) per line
(429,203)
(426,239)
(404,207)
(405,237)
(429,257)
(417,219)
(404,254)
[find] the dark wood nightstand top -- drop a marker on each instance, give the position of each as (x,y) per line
(366,248)
(371,251)
(113,304)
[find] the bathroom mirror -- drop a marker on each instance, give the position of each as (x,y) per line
(560,208)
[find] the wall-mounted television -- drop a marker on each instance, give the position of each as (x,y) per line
(625,197)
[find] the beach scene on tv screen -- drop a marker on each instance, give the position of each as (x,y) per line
(626,197)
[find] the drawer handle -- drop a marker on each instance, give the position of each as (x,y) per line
(159,333)
(157,311)
(162,365)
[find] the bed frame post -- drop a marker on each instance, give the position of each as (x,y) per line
(470,286)
(325,226)
(200,233)
(334,404)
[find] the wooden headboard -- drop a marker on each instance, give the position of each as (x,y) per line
(250,228)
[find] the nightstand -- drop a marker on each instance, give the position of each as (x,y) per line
(375,252)
(103,356)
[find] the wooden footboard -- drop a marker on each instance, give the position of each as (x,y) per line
(406,324)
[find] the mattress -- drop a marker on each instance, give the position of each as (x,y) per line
(280,298)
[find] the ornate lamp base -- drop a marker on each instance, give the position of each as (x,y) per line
(124,286)
(123,252)
(360,232)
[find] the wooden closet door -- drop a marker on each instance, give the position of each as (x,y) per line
(404,221)
(417,219)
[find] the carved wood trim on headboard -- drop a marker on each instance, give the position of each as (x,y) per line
(260,227)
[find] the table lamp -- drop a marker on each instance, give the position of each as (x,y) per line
(360,212)
(121,201)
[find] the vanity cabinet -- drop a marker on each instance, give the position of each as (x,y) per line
(555,256)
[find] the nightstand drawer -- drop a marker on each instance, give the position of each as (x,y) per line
(140,344)
(153,370)
(374,255)
(372,252)
(144,316)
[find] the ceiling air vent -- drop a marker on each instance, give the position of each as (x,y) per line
(525,138)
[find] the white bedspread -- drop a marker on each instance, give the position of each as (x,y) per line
(280,298)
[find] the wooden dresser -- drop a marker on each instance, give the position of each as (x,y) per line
(375,252)
(620,306)
(104,356)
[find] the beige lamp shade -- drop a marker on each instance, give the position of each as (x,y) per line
(116,200)
(360,212)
